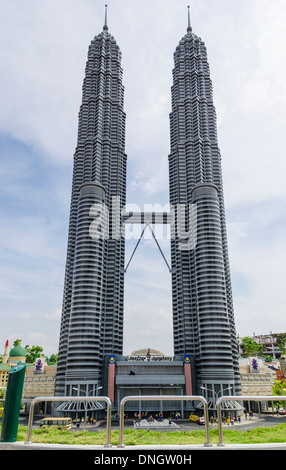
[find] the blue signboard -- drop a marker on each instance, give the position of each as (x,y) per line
(187,359)
(112,359)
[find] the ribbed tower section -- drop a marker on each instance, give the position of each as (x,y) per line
(92,313)
(203,320)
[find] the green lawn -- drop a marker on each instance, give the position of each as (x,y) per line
(139,437)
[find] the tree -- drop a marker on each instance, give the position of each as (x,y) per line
(277,390)
(52,359)
(251,347)
(281,342)
(267,358)
(33,353)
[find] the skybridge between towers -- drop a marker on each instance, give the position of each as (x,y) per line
(183,227)
(148,219)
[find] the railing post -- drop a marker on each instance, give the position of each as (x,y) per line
(239,398)
(108,423)
(219,418)
(207,424)
(163,398)
(69,398)
(30,422)
(121,422)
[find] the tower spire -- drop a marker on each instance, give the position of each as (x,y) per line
(189,28)
(105,27)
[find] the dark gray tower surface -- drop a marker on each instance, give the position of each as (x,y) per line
(203,317)
(92,314)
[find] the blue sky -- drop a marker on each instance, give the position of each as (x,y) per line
(43,54)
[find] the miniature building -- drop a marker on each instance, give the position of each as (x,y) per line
(282,361)
(4,372)
(4,367)
(39,385)
(42,384)
(256,380)
(269,344)
(36,383)
(148,372)
(17,354)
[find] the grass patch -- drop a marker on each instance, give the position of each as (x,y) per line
(140,437)
(257,436)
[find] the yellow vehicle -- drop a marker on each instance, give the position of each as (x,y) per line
(193,418)
(59,423)
(1,411)
(196,419)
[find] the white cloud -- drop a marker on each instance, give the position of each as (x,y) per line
(54,315)
(257,260)
(29,236)
(35,336)
(156,106)
(25,315)
(42,67)
(43,55)
(255,95)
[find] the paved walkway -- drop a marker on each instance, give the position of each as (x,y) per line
(150,448)
(265,420)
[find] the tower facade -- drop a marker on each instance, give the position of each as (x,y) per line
(92,313)
(203,320)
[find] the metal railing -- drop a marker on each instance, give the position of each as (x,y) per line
(107,400)
(240,398)
(69,398)
(163,398)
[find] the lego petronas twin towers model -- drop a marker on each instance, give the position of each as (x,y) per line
(92,315)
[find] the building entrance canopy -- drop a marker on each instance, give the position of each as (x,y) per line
(77,406)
